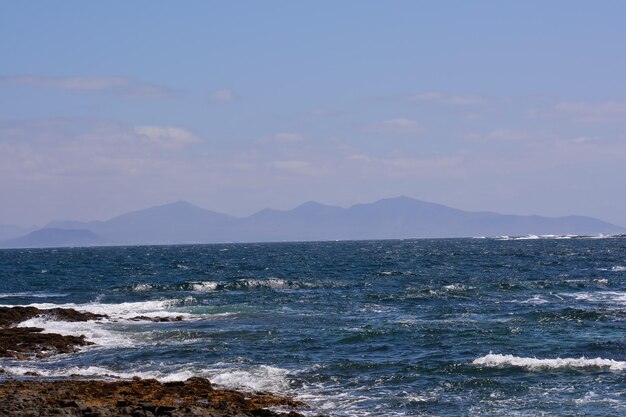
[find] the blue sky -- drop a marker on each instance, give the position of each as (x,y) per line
(106,107)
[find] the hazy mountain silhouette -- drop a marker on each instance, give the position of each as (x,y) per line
(10,231)
(400,217)
(178,222)
(45,238)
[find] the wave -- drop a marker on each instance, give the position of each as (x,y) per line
(616,268)
(126,310)
(114,331)
(456,287)
(570,314)
(101,335)
(502,361)
(259,378)
(33,294)
(236,285)
(609,297)
(256,378)
(552,237)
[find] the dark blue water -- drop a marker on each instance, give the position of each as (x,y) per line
(381,328)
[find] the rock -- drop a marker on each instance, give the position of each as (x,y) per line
(157,319)
(10,316)
(29,342)
(139,397)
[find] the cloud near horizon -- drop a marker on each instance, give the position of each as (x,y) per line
(442,98)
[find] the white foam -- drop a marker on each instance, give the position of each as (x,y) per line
(88,371)
(123,310)
(615,268)
(418,398)
(204,286)
(142,287)
(529,237)
(32,295)
(501,361)
(456,287)
(113,331)
(259,378)
(612,297)
(553,236)
(99,372)
(274,283)
(535,300)
(100,334)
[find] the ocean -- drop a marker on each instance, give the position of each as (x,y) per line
(516,327)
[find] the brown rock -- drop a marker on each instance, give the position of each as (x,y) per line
(10,316)
(29,342)
(196,397)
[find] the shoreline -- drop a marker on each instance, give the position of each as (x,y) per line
(137,397)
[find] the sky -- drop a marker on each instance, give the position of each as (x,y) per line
(507,106)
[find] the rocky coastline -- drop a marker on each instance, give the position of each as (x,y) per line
(21,397)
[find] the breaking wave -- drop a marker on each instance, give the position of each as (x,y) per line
(236,285)
(502,361)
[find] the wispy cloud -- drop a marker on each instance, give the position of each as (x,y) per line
(63,147)
(586,111)
(442,98)
(288,137)
(443,167)
(298,167)
(398,125)
(507,135)
(118,85)
(223,96)
(167,136)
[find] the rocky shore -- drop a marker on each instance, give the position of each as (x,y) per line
(99,398)
(136,398)
(30,342)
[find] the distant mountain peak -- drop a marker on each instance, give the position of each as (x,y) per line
(182,204)
(389,218)
(313,206)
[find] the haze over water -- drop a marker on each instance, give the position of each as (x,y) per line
(371,328)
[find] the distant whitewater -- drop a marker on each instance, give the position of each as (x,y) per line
(512,326)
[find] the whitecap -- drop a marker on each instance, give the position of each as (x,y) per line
(613,297)
(143,287)
(274,283)
(535,300)
(204,286)
(502,361)
(124,310)
(456,287)
(34,294)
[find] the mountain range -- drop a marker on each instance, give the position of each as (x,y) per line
(392,218)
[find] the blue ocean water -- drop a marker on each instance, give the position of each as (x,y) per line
(372,328)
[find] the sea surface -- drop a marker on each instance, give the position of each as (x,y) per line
(515,327)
